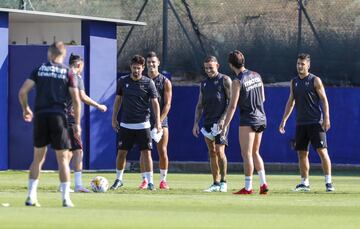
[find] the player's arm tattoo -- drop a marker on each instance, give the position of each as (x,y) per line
(199,108)
(227,86)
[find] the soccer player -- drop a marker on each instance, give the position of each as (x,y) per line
(248,94)
(306,93)
(76,65)
(53,82)
(214,96)
(135,93)
(164,89)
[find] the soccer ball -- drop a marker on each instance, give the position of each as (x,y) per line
(99,184)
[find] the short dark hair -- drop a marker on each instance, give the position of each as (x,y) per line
(210,59)
(137,59)
(74,59)
(57,49)
(152,54)
(304,56)
(236,58)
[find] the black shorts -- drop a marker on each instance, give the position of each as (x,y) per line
(219,139)
(76,142)
(313,133)
(258,128)
(128,138)
(255,128)
(51,128)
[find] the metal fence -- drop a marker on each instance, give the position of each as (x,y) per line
(270,33)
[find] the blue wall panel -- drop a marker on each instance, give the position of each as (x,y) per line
(99,38)
(343,140)
(23,59)
(4,82)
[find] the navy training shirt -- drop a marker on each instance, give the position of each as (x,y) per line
(52,87)
(136,95)
(251,101)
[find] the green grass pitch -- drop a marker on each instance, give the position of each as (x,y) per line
(184,206)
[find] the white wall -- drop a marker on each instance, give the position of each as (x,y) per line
(38,32)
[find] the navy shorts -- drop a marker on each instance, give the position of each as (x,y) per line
(258,128)
(311,133)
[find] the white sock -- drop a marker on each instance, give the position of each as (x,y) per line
(149,177)
(305,181)
(32,189)
(248,183)
(163,174)
(119,174)
(78,179)
(262,177)
(327,179)
(143,176)
(65,187)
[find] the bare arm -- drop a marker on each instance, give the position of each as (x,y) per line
(156,109)
(235,93)
(116,109)
(23,99)
(198,112)
(167,100)
(88,101)
(288,109)
(227,87)
(320,90)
